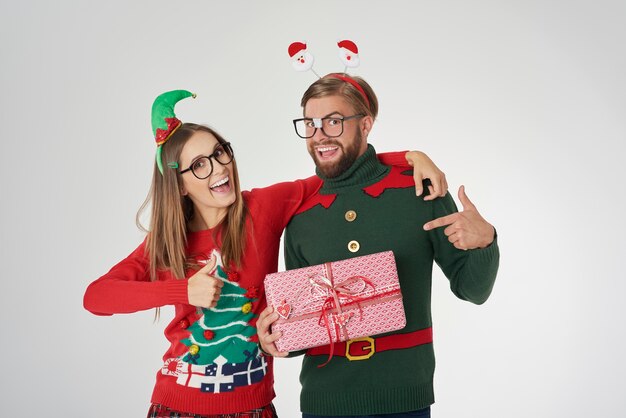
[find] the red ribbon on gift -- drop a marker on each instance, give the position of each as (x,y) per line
(325,285)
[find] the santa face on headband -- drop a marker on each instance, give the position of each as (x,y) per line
(301,59)
(348,53)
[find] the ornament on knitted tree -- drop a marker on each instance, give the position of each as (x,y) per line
(226,330)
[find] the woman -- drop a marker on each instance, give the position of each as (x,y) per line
(207,251)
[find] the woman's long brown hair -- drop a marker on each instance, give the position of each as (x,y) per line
(171,213)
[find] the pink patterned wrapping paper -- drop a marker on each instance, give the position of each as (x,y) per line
(336,301)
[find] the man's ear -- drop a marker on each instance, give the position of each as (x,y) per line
(367,122)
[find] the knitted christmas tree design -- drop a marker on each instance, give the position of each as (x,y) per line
(225,329)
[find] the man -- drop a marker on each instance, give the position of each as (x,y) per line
(362,208)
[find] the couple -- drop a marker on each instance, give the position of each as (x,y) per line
(209,247)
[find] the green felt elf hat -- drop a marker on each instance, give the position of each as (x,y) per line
(164,121)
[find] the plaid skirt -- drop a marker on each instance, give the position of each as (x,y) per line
(160,411)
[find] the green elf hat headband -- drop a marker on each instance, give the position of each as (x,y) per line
(165,122)
(302,60)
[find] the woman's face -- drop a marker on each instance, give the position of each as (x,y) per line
(213,195)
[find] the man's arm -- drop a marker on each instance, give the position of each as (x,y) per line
(466,250)
(467,230)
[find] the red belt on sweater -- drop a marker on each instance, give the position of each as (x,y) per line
(364,348)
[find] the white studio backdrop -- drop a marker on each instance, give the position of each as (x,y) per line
(524,102)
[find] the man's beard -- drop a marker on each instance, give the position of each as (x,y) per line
(348,156)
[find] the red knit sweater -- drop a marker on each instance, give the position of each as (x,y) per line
(213,365)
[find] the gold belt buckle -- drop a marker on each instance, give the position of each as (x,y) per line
(360,348)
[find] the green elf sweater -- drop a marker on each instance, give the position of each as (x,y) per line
(368,209)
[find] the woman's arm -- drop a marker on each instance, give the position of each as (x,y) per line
(423,169)
(127,288)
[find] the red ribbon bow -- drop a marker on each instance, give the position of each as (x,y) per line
(324,286)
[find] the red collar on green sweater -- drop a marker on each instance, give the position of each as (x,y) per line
(396,179)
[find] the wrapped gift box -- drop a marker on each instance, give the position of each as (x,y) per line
(336,301)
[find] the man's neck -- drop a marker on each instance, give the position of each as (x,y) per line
(366,170)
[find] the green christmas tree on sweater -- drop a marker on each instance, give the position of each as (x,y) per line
(225,329)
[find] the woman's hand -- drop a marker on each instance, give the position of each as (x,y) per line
(204,290)
(424,168)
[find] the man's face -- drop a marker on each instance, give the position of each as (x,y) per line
(333,156)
